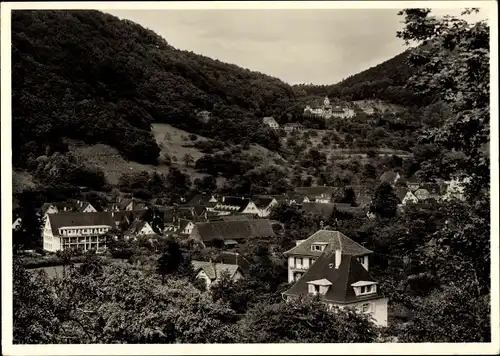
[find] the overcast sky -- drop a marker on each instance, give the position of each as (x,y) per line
(297,46)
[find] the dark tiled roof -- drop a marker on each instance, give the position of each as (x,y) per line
(348,208)
(349,271)
(316,191)
(235,201)
(335,239)
(237,217)
(324,210)
(432,188)
(234,230)
(400,192)
(69,219)
(46,207)
(214,270)
(136,226)
(122,204)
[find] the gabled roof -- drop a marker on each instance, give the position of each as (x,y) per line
(136,227)
(214,270)
(324,210)
(234,230)
(45,207)
(183,223)
(280,197)
(340,291)
(200,199)
(316,191)
(70,219)
(335,240)
(123,203)
(401,192)
(269,120)
(262,201)
(348,208)
(237,217)
(432,188)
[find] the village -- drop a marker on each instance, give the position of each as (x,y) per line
(326,263)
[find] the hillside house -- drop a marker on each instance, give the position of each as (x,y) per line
(211,272)
(204,116)
(340,279)
(269,121)
(342,113)
(139,228)
(75,230)
(293,127)
(318,194)
(230,233)
(390,177)
(306,252)
(228,205)
(264,204)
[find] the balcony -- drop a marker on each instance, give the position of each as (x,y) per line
(299,267)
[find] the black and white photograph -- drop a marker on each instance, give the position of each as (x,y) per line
(313,176)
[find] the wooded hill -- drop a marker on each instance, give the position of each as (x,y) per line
(90,76)
(385,81)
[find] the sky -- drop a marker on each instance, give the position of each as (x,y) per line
(319,46)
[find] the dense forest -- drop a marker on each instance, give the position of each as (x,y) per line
(90,76)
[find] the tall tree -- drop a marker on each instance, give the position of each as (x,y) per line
(384,202)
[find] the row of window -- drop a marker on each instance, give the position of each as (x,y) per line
(299,261)
(47,246)
(84,231)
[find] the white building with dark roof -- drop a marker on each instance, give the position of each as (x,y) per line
(75,230)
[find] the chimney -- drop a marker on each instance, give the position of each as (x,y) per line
(338,258)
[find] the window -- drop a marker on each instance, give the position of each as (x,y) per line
(366,289)
(365,307)
(317,248)
(316,289)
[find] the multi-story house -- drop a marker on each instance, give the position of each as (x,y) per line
(342,280)
(292,126)
(306,252)
(75,230)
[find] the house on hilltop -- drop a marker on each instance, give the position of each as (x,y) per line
(293,126)
(271,122)
(230,233)
(340,279)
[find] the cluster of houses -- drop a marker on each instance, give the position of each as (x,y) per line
(213,220)
(327,264)
(327,111)
(289,127)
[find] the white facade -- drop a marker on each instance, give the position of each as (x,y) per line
(146,230)
(409,198)
(377,308)
(82,238)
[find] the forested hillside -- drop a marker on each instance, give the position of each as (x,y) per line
(90,76)
(386,81)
